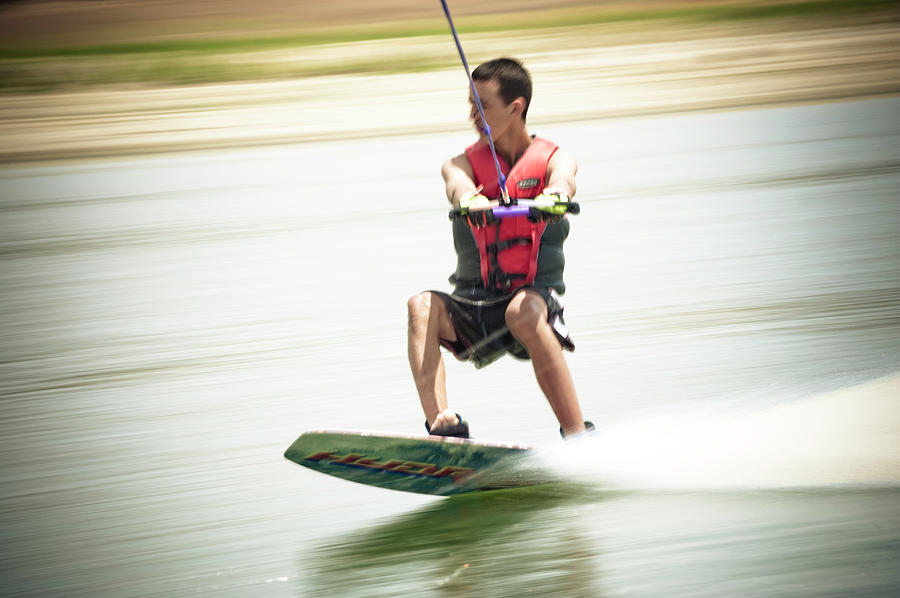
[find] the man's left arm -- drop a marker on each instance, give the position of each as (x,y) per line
(561,172)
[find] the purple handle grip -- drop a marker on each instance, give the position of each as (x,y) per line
(510,211)
(523,208)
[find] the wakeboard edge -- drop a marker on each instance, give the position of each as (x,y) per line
(422,437)
(434,465)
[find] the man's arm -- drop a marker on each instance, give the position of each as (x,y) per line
(459,179)
(561,172)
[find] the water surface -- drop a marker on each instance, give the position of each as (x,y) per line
(170,324)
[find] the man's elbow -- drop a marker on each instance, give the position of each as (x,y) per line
(447,169)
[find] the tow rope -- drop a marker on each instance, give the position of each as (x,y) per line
(486,128)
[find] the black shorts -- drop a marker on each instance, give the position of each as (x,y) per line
(482,335)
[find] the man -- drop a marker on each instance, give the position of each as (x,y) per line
(509,271)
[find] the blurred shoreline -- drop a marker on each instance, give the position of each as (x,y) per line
(726,68)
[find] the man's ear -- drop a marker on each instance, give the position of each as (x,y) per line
(518,106)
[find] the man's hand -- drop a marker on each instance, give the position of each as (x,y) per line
(477,209)
(552,204)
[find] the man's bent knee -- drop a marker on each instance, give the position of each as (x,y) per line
(419,309)
(419,306)
(425,310)
(525,314)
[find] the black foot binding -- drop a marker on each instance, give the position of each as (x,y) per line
(457,430)
(588,428)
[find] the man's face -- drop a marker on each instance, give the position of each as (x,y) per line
(498,113)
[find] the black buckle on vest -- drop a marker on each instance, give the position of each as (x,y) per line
(497,278)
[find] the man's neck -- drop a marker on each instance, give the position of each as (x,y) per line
(510,146)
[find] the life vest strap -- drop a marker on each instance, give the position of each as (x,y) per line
(507,243)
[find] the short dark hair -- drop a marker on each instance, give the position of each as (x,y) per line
(515,81)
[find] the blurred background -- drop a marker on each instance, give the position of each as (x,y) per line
(211,217)
(118,76)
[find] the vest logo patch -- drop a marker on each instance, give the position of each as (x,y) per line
(528,183)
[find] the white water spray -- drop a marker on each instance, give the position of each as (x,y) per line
(845,437)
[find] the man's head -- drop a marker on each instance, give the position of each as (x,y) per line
(504,87)
(514,80)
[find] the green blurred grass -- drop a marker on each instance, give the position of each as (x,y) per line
(36,68)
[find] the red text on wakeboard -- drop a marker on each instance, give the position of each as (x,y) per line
(399,466)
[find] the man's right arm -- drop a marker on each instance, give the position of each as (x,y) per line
(459,179)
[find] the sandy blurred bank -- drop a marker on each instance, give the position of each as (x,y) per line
(610,80)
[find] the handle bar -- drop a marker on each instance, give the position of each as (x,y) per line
(522,207)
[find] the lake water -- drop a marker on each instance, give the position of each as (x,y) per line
(170,324)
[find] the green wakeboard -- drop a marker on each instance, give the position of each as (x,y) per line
(422,464)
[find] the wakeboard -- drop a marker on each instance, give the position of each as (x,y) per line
(423,464)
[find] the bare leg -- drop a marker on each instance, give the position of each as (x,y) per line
(428,323)
(526,317)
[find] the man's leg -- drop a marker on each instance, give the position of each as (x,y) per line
(526,317)
(428,323)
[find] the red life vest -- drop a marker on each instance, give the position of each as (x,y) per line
(509,247)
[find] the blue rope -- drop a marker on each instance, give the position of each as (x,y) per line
(504,194)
